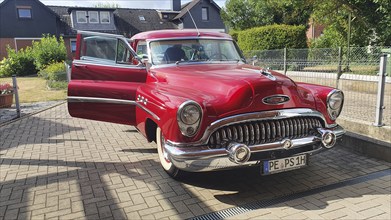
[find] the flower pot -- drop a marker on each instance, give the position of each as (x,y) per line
(6,100)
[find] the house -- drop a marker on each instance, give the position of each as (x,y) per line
(23,21)
(201,14)
(315,30)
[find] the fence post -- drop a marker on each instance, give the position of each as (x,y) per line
(380,91)
(339,70)
(16,93)
(285,68)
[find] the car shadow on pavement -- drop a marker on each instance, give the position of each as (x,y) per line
(101,189)
(243,186)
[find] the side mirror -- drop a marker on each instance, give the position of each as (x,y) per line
(145,61)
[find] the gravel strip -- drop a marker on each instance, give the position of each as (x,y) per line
(9,114)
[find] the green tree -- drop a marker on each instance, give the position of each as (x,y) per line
(49,50)
(370,24)
(107,5)
(244,14)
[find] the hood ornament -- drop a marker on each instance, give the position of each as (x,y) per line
(264,72)
(268,74)
(275,99)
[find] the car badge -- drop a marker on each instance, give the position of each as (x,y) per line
(275,99)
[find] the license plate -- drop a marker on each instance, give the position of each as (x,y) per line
(284,164)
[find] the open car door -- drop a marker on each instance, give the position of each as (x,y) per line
(105,76)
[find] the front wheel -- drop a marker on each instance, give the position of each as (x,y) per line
(169,167)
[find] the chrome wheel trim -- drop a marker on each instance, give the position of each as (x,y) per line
(164,161)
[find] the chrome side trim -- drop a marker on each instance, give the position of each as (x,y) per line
(257,116)
(101,34)
(105,63)
(111,101)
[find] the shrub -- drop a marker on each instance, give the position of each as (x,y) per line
(55,71)
(19,63)
(273,37)
(234,34)
(49,50)
(56,85)
(56,75)
(331,38)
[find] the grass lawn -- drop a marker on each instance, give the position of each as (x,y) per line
(354,69)
(33,89)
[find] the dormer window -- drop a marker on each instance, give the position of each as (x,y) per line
(205,14)
(93,17)
(81,16)
(141,17)
(24,12)
(104,17)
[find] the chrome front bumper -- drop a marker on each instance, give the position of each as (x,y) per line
(202,158)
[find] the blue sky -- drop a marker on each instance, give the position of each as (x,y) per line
(148,4)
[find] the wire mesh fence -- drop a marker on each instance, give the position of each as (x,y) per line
(354,71)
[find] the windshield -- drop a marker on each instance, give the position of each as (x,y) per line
(193,50)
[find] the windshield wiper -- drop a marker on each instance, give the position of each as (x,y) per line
(236,60)
(188,61)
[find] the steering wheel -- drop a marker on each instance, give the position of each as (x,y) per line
(217,55)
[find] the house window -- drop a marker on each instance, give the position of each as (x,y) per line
(141,17)
(205,14)
(93,17)
(81,16)
(73,46)
(24,12)
(104,17)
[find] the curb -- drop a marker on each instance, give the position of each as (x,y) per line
(367,146)
(30,114)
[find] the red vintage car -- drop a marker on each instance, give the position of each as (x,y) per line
(194,95)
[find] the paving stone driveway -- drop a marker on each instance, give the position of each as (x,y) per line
(55,166)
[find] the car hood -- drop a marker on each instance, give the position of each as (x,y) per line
(232,88)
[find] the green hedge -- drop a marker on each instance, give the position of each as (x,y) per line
(272,37)
(234,34)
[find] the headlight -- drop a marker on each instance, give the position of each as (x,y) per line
(189,118)
(334,103)
(190,114)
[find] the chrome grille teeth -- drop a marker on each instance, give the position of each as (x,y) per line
(257,133)
(260,132)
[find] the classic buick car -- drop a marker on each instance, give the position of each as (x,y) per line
(194,95)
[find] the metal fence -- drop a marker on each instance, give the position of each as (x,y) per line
(354,71)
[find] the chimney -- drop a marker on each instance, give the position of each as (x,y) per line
(176,5)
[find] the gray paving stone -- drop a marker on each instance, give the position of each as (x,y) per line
(75,168)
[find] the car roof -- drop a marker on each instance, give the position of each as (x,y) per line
(166,34)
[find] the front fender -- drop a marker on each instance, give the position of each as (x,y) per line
(160,105)
(320,95)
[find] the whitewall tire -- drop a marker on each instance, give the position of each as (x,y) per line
(170,168)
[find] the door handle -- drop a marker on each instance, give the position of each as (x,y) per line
(80,65)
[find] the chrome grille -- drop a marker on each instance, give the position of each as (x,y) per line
(264,131)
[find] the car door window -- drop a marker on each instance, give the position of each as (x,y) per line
(123,53)
(97,47)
